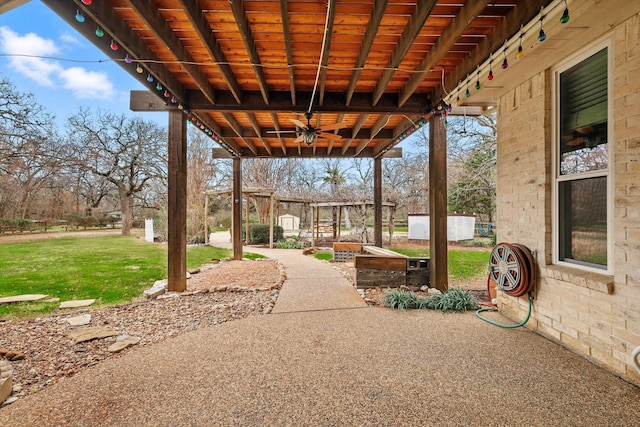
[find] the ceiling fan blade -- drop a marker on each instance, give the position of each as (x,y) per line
(334,126)
(299,139)
(332,136)
(299,124)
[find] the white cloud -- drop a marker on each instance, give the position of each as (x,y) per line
(83,83)
(87,84)
(32,46)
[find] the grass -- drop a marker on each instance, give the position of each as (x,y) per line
(111,268)
(463,264)
(324,255)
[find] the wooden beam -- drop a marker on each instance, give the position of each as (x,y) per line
(411,31)
(237,7)
(177,203)
(237,128)
(271,202)
(236,209)
(355,129)
(201,27)
(375,130)
(258,130)
(377,202)
(523,12)
(334,102)
(7,5)
(328,32)
(276,126)
(377,13)
(284,12)
(438,203)
(159,26)
(247,212)
(460,23)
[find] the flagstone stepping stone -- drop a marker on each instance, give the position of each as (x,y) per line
(122,342)
(6,381)
(11,355)
(88,334)
(22,298)
(82,320)
(77,303)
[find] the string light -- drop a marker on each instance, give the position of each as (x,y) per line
(87,2)
(541,35)
(113,45)
(139,68)
(166,94)
(478,80)
(99,32)
(79,16)
(565,15)
(128,59)
(467,93)
(490,76)
(505,63)
(149,78)
(158,86)
(520,52)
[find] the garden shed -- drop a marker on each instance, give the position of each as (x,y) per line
(353,79)
(289,222)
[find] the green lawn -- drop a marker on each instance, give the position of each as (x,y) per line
(112,269)
(463,264)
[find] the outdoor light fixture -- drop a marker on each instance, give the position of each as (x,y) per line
(113,45)
(99,32)
(128,59)
(565,15)
(149,78)
(79,16)
(139,69)
(309,137)
(87,2)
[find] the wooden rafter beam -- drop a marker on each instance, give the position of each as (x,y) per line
(411,31)
(212,125)
(306,151)
(355,129)
(159,26)
(348,133)
(237,129)
(276,126)
(257,129)
(523,12)
(377,13)
(237,7)
(328,32)
(284,11)
(201,26)
(375,130)
(113,25)
(331,141)
(470,10)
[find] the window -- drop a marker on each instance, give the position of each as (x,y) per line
(582,162)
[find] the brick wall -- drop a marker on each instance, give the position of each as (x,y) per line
(595,315)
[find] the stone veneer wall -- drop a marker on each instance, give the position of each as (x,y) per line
(595,315)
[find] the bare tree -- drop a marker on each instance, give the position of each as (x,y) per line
(126,152)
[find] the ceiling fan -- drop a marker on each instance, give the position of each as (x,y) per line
(309,134)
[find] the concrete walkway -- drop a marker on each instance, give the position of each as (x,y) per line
(322,358)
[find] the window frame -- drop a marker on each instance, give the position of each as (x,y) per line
(558,178)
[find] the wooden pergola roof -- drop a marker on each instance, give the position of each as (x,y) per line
(241,70)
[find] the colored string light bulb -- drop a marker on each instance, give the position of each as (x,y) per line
(542,36)
(520,52)
(166,94)
(174,99)
(158,86)
(79,16)
(490,76)
(99,32)
(565,15)
(505,63)
(478,80)
(87,2)
(128,59)
(139,69)
(149,78)
(113,45)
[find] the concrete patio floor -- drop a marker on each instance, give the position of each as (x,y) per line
(323,358)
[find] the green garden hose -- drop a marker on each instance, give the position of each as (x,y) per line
(502,325)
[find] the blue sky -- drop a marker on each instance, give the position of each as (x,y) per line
(77,79)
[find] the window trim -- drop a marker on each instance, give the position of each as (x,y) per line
(581,55)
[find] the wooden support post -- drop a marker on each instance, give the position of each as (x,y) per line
(177,203)
(247,237)
(236,209)
(317,226)
(271,221)
(206,219)
(438,203)
(313,227)
(339,221)
(377,201)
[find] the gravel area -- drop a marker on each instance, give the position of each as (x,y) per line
(219,293)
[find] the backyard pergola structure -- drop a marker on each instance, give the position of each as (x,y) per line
(249,193)
(315,218)
(240,71)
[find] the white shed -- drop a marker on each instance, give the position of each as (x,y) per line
(289,222)
(459,227)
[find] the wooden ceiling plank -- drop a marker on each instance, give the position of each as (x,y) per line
(411,31)
(510,25)
(240,14)
(375,129)
(328,33)
(377,13)
(257,129)
(287,44)
(123,35)
(201,26)
(470,10)
(159,26)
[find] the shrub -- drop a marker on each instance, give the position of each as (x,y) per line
(259,233)
(452,300)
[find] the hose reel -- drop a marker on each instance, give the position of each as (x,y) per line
(512,269)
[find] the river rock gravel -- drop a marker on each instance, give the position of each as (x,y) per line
(220,292)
